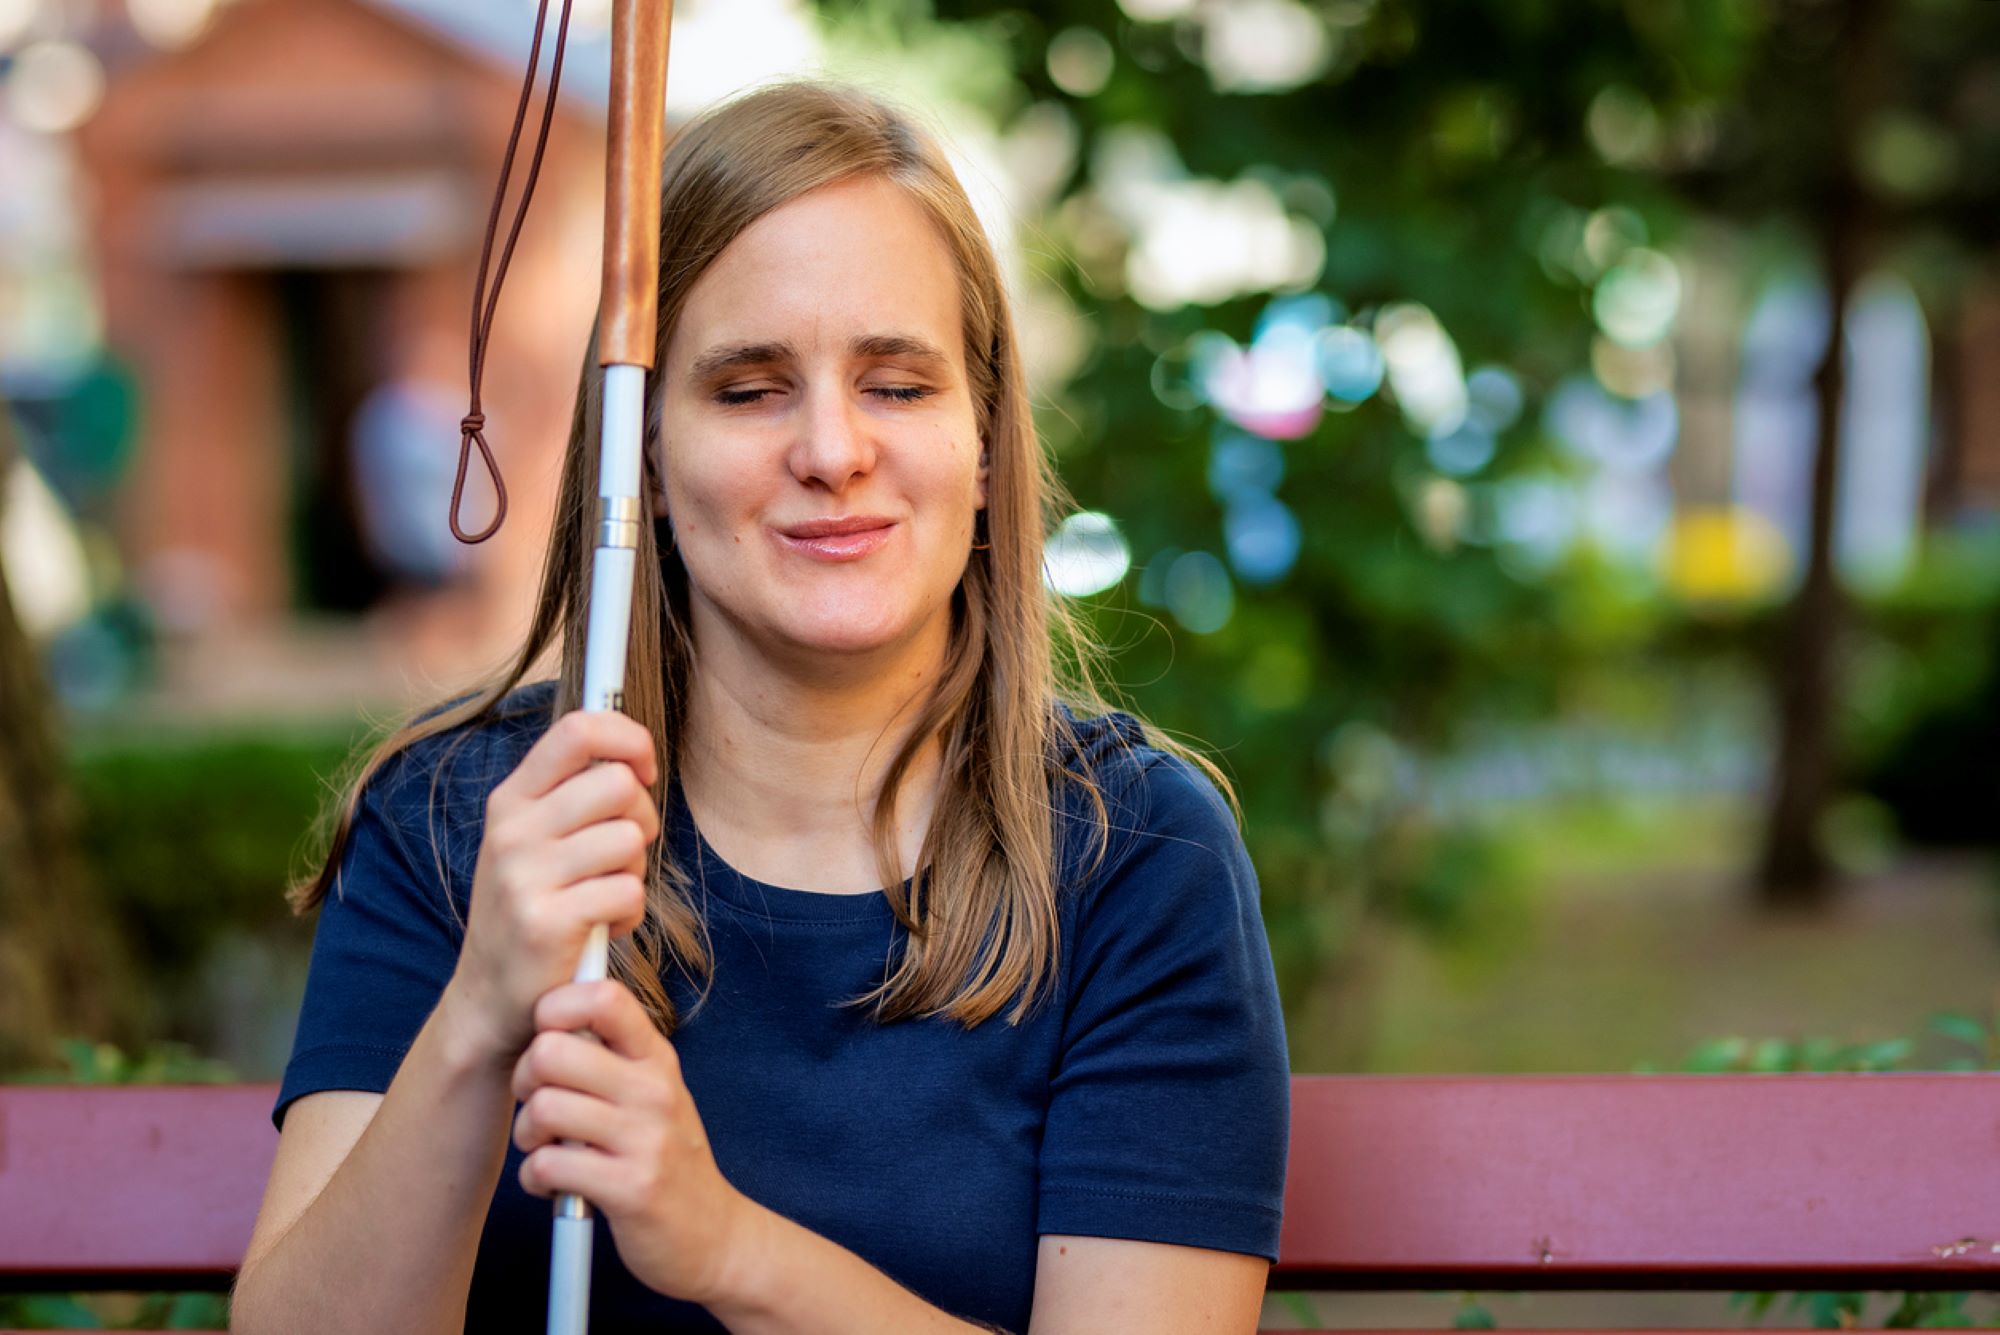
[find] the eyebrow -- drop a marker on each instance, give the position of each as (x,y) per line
(737,356)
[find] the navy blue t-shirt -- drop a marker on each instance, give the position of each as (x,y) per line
(1146,1098)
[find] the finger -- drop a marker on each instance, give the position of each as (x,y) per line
(553,1170)
(618,901)
(607,1008)
(552,1113)
(576,739)
(557,923)
(604,792)
(572,1061)
(603,849)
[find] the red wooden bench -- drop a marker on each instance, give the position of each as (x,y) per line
(1493,1183)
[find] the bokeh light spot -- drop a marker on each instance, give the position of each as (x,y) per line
(1635,304)
(1350,364)
(1263,538)
(55,86)
(1493,398)
(1080,61)
(1199,593)
(1085,555)
(1243,466)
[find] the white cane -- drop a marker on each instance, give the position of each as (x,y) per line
(626,317)
(627,311)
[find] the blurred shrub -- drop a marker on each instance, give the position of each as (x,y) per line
(1923,733)
(88,1063)
(192,839)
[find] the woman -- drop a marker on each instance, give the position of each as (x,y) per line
(1041,1071)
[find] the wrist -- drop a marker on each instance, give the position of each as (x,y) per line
(745,1275)
(471,1041)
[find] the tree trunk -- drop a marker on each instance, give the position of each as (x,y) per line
(1793,872)
(60,965)
(1944,479)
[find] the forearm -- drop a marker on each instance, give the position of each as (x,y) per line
(795,1282)
(389,1242)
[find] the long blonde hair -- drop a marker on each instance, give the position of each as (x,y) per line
(981,908)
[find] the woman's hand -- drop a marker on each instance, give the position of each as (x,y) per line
(566,846)
(641,1157)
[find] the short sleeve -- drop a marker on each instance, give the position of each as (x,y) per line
(1170,1106)
(386,943)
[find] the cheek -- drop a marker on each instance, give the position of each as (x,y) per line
(952,469)
(705,494)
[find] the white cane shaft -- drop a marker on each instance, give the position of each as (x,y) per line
(569,1276)
(606,636)
(609,626)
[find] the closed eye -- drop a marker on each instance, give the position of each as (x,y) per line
(737,398)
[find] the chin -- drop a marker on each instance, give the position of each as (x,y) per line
(833,636)
(837,626)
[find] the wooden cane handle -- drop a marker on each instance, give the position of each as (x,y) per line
(637,139)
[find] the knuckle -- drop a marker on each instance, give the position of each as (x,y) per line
(648,1179)
(624,839)
(509,880)
(501,836)
(539,1060)
(536,922)
(662,1096)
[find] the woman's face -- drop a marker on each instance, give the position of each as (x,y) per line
(822,459)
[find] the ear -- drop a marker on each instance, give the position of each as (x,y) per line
(983,459)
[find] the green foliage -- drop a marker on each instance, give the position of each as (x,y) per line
(195,836)
(88,1063)
(1473,1315)
(1820,1053)
(1334,685)
(1773,1055)
(146,1311)
(192,839)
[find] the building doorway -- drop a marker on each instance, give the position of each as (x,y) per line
(333,324)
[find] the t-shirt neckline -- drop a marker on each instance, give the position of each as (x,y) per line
(719,880)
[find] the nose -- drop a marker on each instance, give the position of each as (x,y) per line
(836,443)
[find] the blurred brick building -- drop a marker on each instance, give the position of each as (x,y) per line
(286,219)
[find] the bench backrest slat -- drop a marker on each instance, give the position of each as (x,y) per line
(1842,1181)
(1396,1182)
(134,1187)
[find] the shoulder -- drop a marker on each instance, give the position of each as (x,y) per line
(431,792)
(1151,805)
(463,755)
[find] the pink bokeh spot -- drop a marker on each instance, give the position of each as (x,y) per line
(1271,391)
(1281,424)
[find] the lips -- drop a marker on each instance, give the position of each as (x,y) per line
(844,539)
(835,528)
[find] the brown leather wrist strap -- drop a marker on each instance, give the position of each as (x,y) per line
(472,428)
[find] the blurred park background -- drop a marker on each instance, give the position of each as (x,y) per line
(1549,452)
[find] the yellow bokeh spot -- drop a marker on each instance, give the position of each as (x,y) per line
(1726,554)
